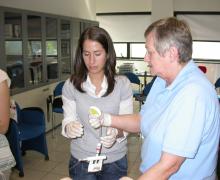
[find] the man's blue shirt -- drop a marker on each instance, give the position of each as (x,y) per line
(182,119)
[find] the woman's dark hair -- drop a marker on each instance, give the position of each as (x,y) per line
(80,70)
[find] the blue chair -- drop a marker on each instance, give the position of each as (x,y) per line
(217,83)
(142,97)
(135,80)
(56,103)
(28,133)
(217,86)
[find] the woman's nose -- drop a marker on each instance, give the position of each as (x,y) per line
(91,59)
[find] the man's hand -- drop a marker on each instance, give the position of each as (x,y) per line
(110,138)
(74,129)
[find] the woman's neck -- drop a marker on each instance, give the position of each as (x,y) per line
(96,80)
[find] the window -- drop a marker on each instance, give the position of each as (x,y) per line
(121,50)
(206,50)
(137,50)
(130,50)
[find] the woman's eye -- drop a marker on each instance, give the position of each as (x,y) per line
(86,54)
(97,54)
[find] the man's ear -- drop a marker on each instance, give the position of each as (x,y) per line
(174,54)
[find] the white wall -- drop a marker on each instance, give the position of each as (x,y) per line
(161,9)
(103,6)
(85,9)
(196,5)
(131,30)
(127,28)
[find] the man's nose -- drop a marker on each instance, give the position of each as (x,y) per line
(146,57)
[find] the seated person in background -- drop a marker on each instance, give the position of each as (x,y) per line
(5,102)
(6,158)
(180,120)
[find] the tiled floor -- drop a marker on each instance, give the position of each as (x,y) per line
(36,168)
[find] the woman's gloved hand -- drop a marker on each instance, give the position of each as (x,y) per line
(125,178)
(110,138)
(98,118)
(74,129)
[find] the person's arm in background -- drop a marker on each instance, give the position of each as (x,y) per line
(4,107)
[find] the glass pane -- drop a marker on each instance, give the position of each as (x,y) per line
(12,25)
(65,68)
(14,59)
(35,62)
(35,70)
(34,26)
(65,29)
(52,62)
(51,48)
(65,48)
(121,50)
(34,48)
(51,27)
(52,68)
(13,48)
(137,50)
(66,59)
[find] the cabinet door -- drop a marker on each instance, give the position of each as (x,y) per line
(65,43)
(14,48)
(34,55)
(51,49)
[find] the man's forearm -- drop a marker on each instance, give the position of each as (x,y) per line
(168,165)
(129,123)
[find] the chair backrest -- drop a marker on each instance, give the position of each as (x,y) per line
(217,83)
(133,78)
(148,86)
(203,69)
(18,111)
(57,100)
(58,89)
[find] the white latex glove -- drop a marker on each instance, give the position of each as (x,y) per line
(74,129)
(66,178)
(110,138)
(125,178)
(97,118)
